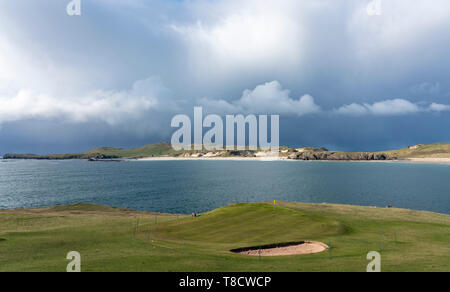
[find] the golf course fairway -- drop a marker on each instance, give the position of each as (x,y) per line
(112,239)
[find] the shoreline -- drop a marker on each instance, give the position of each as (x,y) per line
(213,158)
(444,161)
(427,160)
(441,161)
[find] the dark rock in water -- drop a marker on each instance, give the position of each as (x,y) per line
(103,160)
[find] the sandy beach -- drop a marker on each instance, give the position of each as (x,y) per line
(213,158)
(427,160)
(406,160)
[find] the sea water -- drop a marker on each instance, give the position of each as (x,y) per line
(199,186)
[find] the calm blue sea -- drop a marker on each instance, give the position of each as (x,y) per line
(199,186)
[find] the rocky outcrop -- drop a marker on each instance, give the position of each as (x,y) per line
(98,156)
(243,153)
(340,156)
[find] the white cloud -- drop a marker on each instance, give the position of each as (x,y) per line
(393,107)
(236,36)
(402,22)
(250,40)
(244,33)
(268,98)
(383,108)
(111,107)
(149,97)
(390,107)
(25,66)
(439,107)
(271,97)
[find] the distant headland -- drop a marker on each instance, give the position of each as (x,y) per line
(439,152)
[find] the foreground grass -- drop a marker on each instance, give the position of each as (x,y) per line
(111,239)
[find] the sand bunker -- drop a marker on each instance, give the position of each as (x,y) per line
(283,249)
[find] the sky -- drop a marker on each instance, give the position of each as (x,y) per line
(338,76)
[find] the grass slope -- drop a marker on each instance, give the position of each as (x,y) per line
(145,151)
(437,150)
(106,237)
(159,149)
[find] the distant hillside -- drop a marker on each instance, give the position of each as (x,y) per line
(159,149)
(153,150)
(44,157)
(438,150)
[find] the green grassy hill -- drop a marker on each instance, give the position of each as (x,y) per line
(159,149)
(145,151)
(111,239)
(437,150)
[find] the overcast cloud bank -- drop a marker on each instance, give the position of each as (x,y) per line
(318,64)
